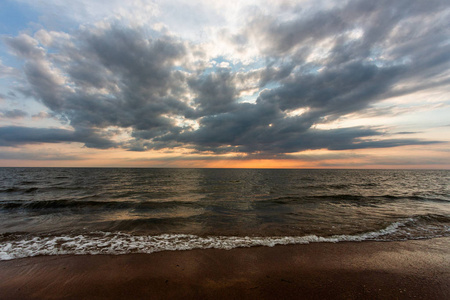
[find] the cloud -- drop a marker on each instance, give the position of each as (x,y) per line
(13,114)
(110,77)
(314,67)
(6,71)
(41,115)
(13,136)
(215,92)
(36,155)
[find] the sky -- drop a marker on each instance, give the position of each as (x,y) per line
(225,84)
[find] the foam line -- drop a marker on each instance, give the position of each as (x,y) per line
(123,243)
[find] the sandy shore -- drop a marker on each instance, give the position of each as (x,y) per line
(366,270)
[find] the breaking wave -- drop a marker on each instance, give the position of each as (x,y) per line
(13,246)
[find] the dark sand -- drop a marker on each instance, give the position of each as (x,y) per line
(366,270)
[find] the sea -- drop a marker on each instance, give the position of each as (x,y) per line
(81,211)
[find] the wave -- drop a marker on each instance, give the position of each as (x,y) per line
(83,204)
(13,246)
(355,198)
(24,190)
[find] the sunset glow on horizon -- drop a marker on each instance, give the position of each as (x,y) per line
(223,84)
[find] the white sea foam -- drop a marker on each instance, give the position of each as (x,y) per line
(122,243)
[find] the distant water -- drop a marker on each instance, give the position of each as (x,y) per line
(51,211)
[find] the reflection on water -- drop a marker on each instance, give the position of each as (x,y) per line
(219,201)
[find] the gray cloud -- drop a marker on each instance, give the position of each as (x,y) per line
(328,64)
(13,114)
(118,77)
(41,156)
(215,92)
(12,136)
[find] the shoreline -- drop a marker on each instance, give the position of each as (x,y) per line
(417,269)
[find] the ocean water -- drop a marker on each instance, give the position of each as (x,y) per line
(56,211)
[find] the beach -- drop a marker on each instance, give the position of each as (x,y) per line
(415,269)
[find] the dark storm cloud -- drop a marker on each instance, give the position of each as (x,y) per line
(215,92)
(378,19)
(113,76)
(273,73)
(336,90)
(351,78)
(12,136)
(137,73)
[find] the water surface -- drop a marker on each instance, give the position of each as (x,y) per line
(71,210)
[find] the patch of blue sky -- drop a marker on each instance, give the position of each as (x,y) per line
(5,83)
(249,98)
(4,93)
(10,79)
(252,98)
(272,85)
(218,63)
(15,17)
(9,60)
(221,60)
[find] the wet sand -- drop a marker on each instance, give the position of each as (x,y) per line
(366,270)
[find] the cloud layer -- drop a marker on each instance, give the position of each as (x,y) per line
(122,85)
